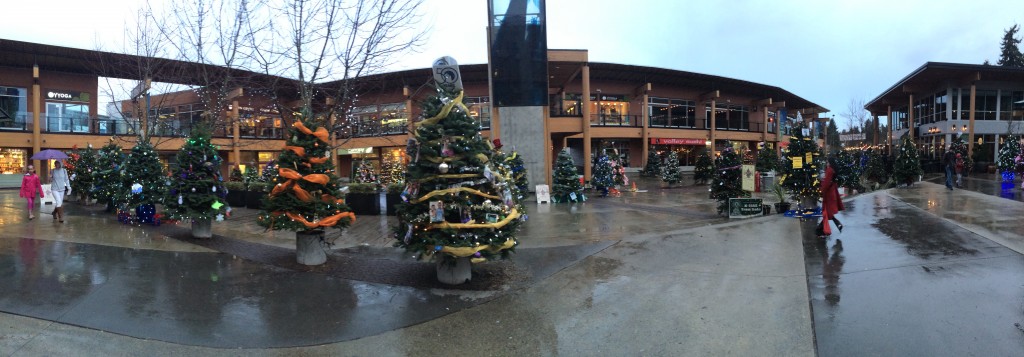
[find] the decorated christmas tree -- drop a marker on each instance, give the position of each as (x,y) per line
(1007,160)
(907,168)
(618,168)
(767,160)
(515,163)
(603,176)
(269,172)
(800,176)
(392,172)
(146,182)
(670,172)
(727,181)
(510,166)
(82,172)
(107,183)
(197,189)
(653,168)
(305,196)
(877,170)
(365,173)
(960,147)
(705,168)
(459,205)
(236,174)
(251,174)
(566,182)
(847,170)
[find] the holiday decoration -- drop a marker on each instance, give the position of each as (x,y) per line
(653,168)
(366,174)
(81,174)
(474,210)
(236,174)
(566,182)
(847,171)
(907,168)
(705,168)
(145,176)
(269,172)
(198,193)
(1008,153)
(878,169)
(959,146)
(727,180)
(392,172)
(671,173)
(800,177)
(603,176)
(766,160)
(107,183)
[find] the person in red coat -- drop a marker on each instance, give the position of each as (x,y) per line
(29,187)
(831,203)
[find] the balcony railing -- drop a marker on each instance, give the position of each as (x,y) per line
(19,121)
(614,120)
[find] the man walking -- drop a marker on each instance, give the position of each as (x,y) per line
(949,161)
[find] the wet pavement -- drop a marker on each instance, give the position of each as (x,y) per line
(920,271)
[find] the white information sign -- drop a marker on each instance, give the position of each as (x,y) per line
(543,194)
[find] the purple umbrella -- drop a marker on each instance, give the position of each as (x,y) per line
(49,154)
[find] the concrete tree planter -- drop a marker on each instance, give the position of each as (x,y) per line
(454,271)
(202,228)
(309,248)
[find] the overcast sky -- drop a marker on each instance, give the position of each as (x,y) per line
(829,52)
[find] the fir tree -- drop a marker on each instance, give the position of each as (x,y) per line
(392,172)
(82,173)
(519,176)
(847,170)
(800,175)
(269,172)
(960,147)
(566,182)
(670,172)
(251,174)
(236,175)
(767,160)
(876,170)
(305,196)
(705,168)
(107,183)
(145,181)
(197,189)
(603,175)
(907,168)
(618,168)
(459,203)
(365,173)
(653,167)
(1010,54)
(1008,153)
(727,181)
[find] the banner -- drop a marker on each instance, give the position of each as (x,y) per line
(748,178)
(676,141)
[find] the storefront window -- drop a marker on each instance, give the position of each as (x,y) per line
(608,109)
(1011,105)
(480,109)
(728,116)
(13,108)
(377,120)
(12,161)
(675,113)
(67,117)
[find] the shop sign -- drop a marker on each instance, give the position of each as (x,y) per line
(366,150)
(677,141)
(744,207)
(66,95)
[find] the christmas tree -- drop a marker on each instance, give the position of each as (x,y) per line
(365,173)
(800,176)
(107,183)
(670,172)
(236,174)
(82,173)
(458,202)
(146,182)
(653,168)
(847,170)
(305,197)
(727,181)
(907,168)
(877,170)
(515,163)
(567,186)
(197,189)
(251,174)
(603,176)
(767,160)
(705,168)
(618,168)
(392,171)
(269,172)
(960,147)
(1008,152)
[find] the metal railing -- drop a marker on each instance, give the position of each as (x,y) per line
(614,120)
(19,121)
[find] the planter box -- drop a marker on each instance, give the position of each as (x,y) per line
(363,203)
(236,198)
(392,200)
(253,199)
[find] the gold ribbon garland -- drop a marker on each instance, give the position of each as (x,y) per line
(453,190)
(460,252)
(445,110)
(442,225)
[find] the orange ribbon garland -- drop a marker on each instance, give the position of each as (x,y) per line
(326,222)
(298,150)
(320,132)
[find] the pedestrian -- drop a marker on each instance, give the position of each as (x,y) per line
(831,203)
(30,186)
(949,161)
(959,171)
(59,186)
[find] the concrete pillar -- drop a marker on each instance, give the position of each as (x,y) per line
(36,106)
(523,128)
(586,123)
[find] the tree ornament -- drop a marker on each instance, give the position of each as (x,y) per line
(443,168)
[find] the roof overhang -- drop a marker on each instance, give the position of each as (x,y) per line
(934,75)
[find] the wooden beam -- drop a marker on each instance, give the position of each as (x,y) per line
(710,95)
(642,90)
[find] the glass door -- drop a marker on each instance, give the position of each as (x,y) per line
(55,120)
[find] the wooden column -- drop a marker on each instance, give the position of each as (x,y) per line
(713,126)
(970,118)
(586,123)
(411,129)
(237,131)
(37,136)
(645,136)
(874,140)
(888,137)
(910,118)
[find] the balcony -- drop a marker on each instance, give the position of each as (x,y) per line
(615,120)
(18,121)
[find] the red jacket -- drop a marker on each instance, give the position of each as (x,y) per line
(30,185)
(830,200)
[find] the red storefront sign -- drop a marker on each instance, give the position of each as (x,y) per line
(675,141)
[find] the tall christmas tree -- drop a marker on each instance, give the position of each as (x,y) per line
(107,184)
(1008,152)
(653,168)
(877,171)
(618,168)
(82,173)
(603,177)
(800,177)
(458,203)
(515,163)
(146,182)
(670,172)
(566,182)
(365,173)
(727,181)
(847,170)
(960,147)
(705,168)
(305,197)
(907,168)
(197,189)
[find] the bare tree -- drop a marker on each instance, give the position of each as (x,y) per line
(856,116)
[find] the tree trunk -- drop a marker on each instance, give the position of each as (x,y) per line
(202,228)
(309,248)
(454,271)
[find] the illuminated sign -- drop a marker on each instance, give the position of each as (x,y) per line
(677,141)
(66,95)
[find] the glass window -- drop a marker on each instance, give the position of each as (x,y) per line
(67,117)
(681,113)
(985,105)
(13,108)
(729,116)
(480,109)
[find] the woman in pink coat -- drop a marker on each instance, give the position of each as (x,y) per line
(29,187)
